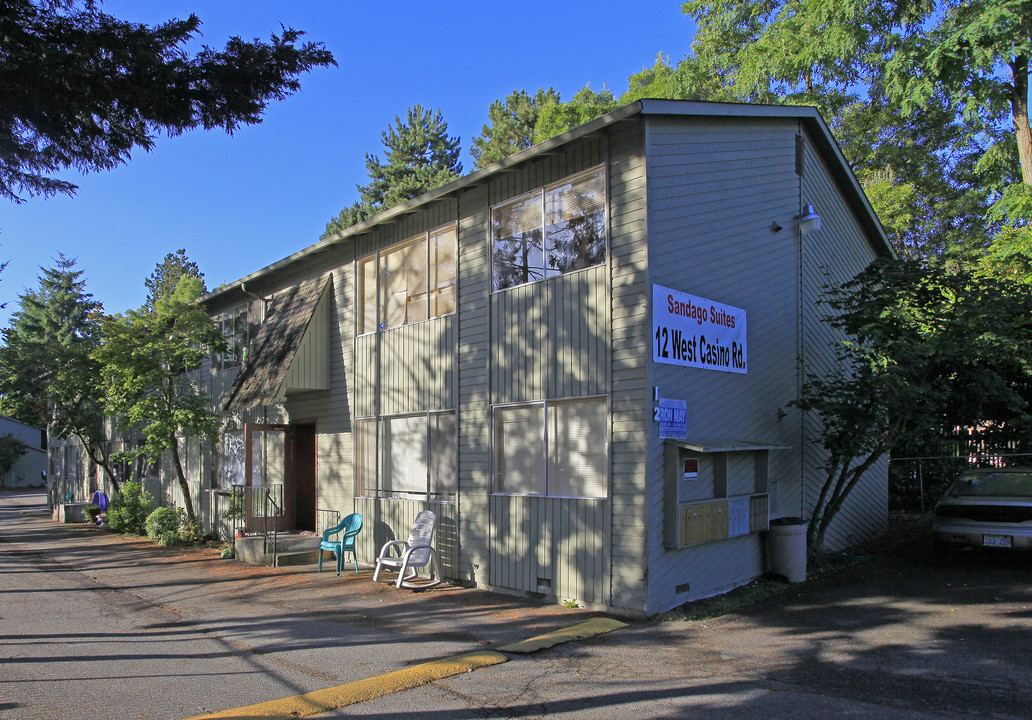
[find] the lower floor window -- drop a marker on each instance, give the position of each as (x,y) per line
(407,456)
(556,448)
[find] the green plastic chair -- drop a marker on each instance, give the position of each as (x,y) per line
(347,529)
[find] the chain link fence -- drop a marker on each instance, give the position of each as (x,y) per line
(917,483)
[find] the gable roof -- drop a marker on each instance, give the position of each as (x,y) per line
(809,117)
(272,351)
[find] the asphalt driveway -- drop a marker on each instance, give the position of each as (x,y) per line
(892,635)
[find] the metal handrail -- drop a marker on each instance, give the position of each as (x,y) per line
(267,500)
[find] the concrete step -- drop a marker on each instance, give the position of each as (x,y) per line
(291,549)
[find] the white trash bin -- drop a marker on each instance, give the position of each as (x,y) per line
(787,548)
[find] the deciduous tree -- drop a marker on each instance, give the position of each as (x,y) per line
(927,347)
(147,359)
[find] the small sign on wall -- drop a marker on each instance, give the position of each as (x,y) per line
(691,468)
(672,416)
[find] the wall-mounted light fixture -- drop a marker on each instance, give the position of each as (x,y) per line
(775,228)
(809,221)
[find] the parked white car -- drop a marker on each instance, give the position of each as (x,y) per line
(989,508)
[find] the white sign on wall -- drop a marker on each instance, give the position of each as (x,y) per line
(672,416)
(694,332)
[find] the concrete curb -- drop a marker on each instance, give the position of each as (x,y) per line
(361,690)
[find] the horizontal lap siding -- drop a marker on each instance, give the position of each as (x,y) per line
(473,388)
(714,190)
(833,255)
(629,382)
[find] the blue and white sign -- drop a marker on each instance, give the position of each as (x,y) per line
(695,332)
(672,416)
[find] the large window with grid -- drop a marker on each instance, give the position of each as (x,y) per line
(407,282)
(237,327)
(554,230)
(555,448)
(407,456)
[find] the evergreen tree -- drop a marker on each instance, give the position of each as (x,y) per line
(166,276)
(420,156)
(510,126)
(81,89)
(351,215)
(47,375)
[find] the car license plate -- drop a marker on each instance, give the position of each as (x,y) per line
(996,541)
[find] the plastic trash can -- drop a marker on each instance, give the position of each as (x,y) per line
(787,547)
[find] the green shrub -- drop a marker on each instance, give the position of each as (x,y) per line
(190,532)
(129,508)
(91,512)
(169,538)
(164,520)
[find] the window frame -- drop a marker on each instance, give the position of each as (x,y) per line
(541,194)
(233,342)
(545,459)
(432,492)
(430,293)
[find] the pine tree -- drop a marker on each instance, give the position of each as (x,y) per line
(351,215)
(166,276)
(510,126)
(81,89)
(420,156)
(47,375)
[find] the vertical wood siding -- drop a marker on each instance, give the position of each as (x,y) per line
(550,339)
(385,520)
(553,546)
(416,366)
(310,368)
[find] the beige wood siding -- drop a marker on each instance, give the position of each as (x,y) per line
(715,187)
(385,520)
(832,255)
(552,546)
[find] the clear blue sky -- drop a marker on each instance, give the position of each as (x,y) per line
(237,204)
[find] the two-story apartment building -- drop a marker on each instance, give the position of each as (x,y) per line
(581,357)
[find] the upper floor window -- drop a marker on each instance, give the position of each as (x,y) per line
(408,282)
(554,230)
(236,329)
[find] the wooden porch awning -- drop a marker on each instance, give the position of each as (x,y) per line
(273,348)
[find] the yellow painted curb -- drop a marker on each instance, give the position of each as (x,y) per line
(589,628)
(361,690)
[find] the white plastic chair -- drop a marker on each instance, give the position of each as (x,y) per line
(414,553)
